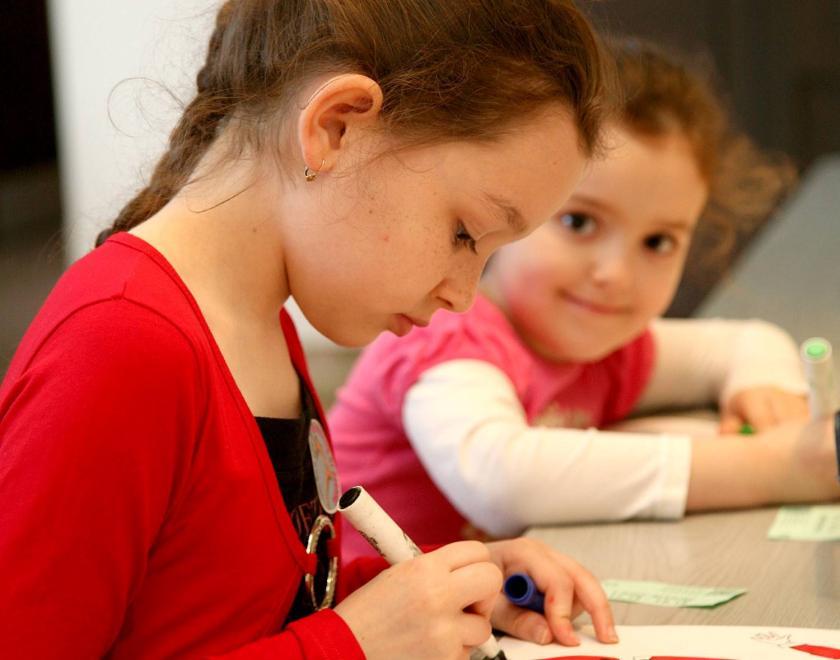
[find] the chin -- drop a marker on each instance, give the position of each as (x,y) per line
(354,342)
(351,337)
(593,356)
(593,351)
(576,350)
(342,334)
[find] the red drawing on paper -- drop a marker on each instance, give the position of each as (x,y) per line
(579,657)
(821,651)
(653,657)
(682,657)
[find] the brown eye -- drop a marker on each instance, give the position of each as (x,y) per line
(578,223)
(463,238)
(660,243)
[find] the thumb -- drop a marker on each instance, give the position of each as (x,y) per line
(521,623)
(730,422)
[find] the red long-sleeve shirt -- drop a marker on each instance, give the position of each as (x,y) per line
(139,513)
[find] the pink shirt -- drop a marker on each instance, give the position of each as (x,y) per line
(366,423)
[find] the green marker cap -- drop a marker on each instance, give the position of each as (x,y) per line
(816,348)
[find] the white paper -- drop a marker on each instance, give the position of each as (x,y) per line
(717,642)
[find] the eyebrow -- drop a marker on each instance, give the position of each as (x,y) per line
(513,216)
(676,225)
(597,203)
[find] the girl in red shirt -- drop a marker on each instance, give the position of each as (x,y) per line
(156,478)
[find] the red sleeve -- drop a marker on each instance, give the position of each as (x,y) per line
(320,636)
(93,441)
(96,435)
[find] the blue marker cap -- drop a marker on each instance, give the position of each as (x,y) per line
(521,591)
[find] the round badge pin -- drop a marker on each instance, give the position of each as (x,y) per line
(323,463)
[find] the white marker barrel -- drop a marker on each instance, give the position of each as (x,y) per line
(378,528)
(818,364)
(370,520)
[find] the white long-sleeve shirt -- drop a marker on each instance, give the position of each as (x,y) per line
(466,423)
(460,428)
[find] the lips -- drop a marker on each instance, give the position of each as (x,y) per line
(594,307)
(403,324)
(418,322)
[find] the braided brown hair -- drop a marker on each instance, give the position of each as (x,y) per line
(448,70)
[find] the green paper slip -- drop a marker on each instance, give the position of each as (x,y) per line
(668,595)
(807,523)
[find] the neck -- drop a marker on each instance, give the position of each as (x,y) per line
(222,240)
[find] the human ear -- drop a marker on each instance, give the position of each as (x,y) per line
(333,116)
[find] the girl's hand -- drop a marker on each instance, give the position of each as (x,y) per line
(761,408)
(415,609)
(802,461)
(568,587)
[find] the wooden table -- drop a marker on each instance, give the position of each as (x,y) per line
(789,583)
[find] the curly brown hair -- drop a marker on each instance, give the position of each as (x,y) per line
(662,92)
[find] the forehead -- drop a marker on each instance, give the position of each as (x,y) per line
(532,168)
(654,175)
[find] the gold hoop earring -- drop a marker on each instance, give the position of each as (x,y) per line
(309,175)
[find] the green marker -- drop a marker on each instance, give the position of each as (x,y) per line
(746,429)
(819,372)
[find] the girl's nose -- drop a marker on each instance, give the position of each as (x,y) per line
(455,298)
(457,291)
(611,267)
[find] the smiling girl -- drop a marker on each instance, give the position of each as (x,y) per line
(485,424)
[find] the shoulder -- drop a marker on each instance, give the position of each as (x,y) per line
(120,333)
(482,333)
(391,365)
(105,382)
(125,267)
(115,322)
(115,389)
(117,307)
(110,347)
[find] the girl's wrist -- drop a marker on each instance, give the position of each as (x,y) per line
(731,471)
(767,459)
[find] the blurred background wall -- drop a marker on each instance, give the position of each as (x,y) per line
(106,78)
